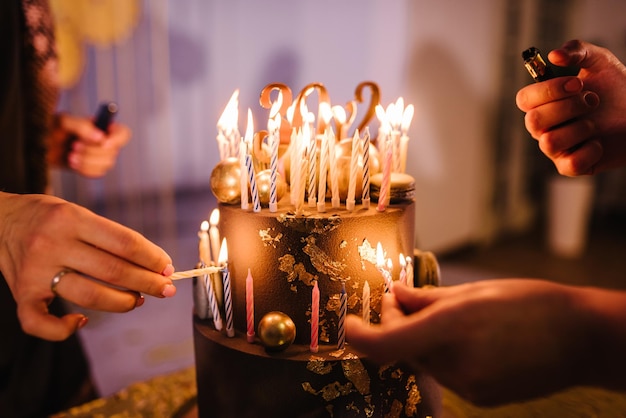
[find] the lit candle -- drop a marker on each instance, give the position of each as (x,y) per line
(214,233)
(312,160)
(250,307)
(227,127)
(293,165)
(256,202)
(343,311)
(321,189)
(302,167)
(402,268)
(366,302)
(315,318)
(380,264)
(228,297)
(243,180)
(334,173)
(215,311)
(274,142)
(365,195)
(354,168)
(385,186)
(203,245)
(407,116)
(409,271)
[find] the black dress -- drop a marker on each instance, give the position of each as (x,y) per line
(37,377)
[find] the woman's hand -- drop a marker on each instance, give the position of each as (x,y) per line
(90,151)
(110,264)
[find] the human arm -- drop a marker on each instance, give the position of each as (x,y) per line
(41,235)
(504,340)
(579,121)
(92,152)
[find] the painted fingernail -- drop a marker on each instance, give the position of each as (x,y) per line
(82,322)
(168,270)
(139,301)
(591,99)
(169,290)
(572,85)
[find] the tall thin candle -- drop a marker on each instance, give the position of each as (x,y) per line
(383,197)
(203,244)
(214,233)
(228,294)
(354,168)
(243,181)
(250,307)
(334,173)
(315,318)
(365,193)
(215,311)
(409,271)
(275,140)
(343,311)
(312,159)
(402,268)
(321,189)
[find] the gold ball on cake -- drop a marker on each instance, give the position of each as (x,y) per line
(225,181)
(276,331)
(263,181)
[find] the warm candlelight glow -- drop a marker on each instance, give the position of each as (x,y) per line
(402,261)
(380,257)
(223,257)
(407,116)
(214,233)
(204,246)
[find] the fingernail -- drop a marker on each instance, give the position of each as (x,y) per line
(139,301)
(168,270)
(82,322)
(573,85)
(168,291)
(591,99)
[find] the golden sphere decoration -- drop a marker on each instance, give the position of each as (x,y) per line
(225,181)
(276,331)
(263,182)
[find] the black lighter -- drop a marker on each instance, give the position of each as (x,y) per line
(102,119)
(536,66)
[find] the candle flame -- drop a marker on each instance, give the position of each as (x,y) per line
(214,219)
(276,105)
(204,226)
(249,128)
(407,116)
(389,264)
(228,120)
(380,257)
(223,257)
(326,112)
(277,121)
(402,260)
(340,114)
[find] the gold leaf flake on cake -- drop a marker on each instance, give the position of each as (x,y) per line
(356,373)
(343,244)
(353,300)
(413,398)
(267,239)
(396,409)
(331,391)
(367,252)
(322,261)
(287,264)
(317,365)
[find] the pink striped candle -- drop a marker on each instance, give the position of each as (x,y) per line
(315,318)
(409,271)
(343,311)
(250,307)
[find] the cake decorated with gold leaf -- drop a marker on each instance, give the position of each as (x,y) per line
(312,224)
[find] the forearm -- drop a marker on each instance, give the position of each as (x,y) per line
(605,320)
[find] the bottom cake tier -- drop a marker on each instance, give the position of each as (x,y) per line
(240,379)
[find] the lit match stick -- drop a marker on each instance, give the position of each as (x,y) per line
(195,272)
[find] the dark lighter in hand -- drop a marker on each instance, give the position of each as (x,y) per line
(536,65)
(102,119)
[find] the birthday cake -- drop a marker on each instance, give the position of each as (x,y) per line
(294,260)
